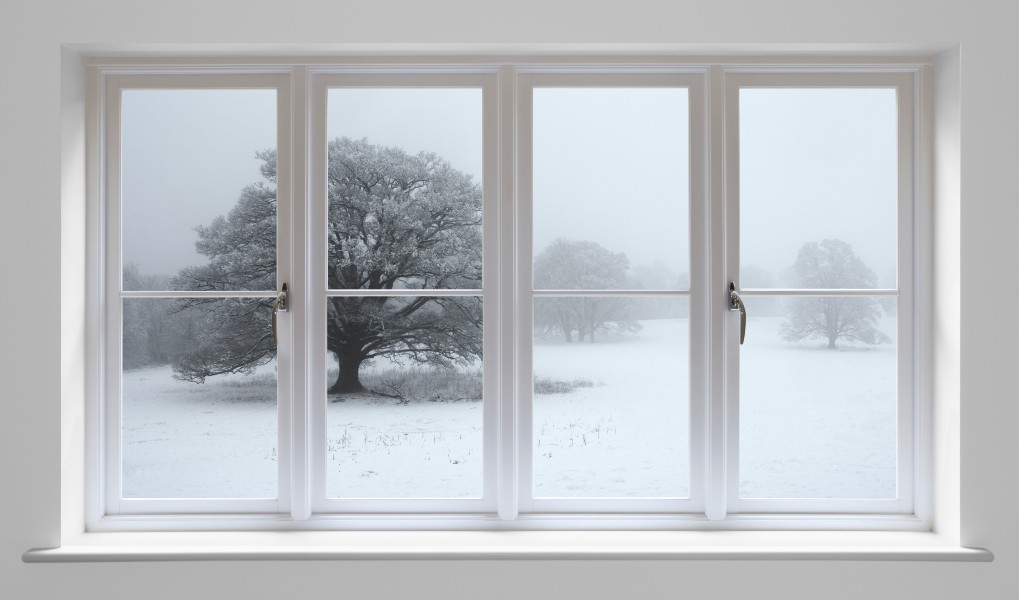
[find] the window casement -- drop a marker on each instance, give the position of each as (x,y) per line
(512,296)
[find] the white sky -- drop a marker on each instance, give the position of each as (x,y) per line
(610,165)
(446,121)
(186,156)
(817,164)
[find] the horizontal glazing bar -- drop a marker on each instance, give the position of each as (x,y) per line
(589,293)
(817,292)
(401,292)
(199,294)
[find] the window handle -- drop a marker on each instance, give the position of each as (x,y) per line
(280,304)
(736,303)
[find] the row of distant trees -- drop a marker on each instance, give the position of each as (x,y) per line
(402,221)
(153,333)
(829,264)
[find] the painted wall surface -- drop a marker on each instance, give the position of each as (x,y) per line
(31,35)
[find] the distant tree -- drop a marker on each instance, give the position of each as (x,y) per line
(832,264)
(581,265)
(395,221)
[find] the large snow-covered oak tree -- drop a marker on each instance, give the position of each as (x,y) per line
(581,265)
(396,221)
(832,264)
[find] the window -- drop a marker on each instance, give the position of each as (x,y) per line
(825,175)
(532,296)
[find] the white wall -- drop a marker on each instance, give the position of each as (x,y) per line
(31,34)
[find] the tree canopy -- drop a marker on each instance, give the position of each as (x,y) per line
(396,221)
(832,264)
(581,265)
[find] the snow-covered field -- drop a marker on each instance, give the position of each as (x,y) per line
(380,448)
(215,440)
(628,435)
(814,423)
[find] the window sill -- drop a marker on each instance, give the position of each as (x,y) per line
(503,545)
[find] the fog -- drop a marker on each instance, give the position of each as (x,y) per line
(610,166)
(818,164)
(186,156)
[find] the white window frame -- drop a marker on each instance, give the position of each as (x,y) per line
(113,296)
(321,81)
(907,399)
(693,80)
(507,502)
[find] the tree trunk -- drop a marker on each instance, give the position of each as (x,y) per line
(564,324)
(349,381)
(831,341)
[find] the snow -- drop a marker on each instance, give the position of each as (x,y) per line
(379,448)
(628,436)
(184,440)
(814,423)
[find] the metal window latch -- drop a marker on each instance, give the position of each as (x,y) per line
(280,304)
(736,303)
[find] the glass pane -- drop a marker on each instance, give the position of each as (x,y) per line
(199,189)
(404,404)
(611,397)
(611,188)
(405,196)
(818,166)
(199,399)
(818,396)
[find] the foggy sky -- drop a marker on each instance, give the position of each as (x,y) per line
(817,164)
(611,165)
(186,156)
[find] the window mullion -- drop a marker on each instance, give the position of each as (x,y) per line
(295,491)
(721,256)
(315,272)
(524,305)
(508,429)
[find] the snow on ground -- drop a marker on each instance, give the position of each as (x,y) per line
(814,423)
(379,448)
(628,436)
(185,440)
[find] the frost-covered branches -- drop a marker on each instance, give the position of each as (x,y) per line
(395,221)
